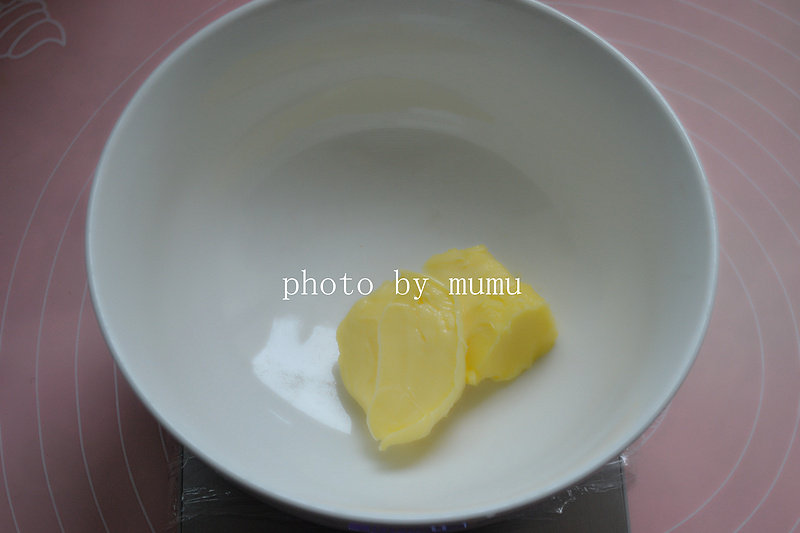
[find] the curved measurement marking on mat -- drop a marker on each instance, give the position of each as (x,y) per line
(38,201)
(785,223)
(39,349)
(78,409)
(751,182)
(163,443)
(744,174)
(754,313)
(5,482)
(682,31)
(728,84)
(743,26)
(662,87)
(61,159)
(26,22)
(125,455)
(760,244)
(732,122)
(788,301)
(777,12)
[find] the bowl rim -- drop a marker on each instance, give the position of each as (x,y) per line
(332,515)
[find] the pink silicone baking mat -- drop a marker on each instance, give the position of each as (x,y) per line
(79,452)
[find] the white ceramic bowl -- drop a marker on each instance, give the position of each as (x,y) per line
(360,136)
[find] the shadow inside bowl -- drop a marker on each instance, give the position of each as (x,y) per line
(406,455)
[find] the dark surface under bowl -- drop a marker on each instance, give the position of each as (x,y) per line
(210,503)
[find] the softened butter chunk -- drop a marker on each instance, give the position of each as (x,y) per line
(403,359)
(357,337)
(507,326)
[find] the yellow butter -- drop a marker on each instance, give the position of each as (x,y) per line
(507,326)
(357,337)
(402,360)
(405,358)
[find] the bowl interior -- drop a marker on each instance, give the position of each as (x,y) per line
(357,137)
